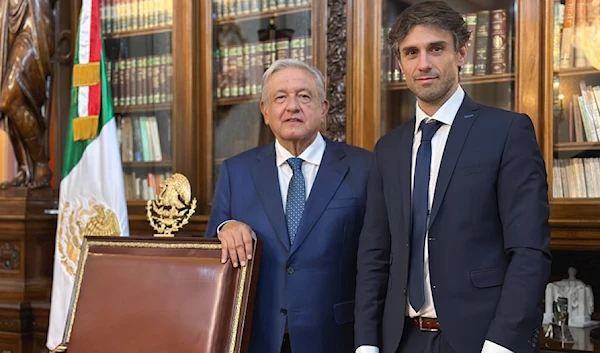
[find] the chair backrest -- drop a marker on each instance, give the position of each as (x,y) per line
(160,295)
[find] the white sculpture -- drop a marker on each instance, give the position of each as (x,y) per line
(580,299)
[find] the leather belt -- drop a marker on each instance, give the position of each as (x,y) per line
(426,323)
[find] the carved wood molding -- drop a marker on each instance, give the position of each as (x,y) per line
(10,256)
(64,47)
(336,69)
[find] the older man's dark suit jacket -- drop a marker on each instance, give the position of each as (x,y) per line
(312,282)
(488,235)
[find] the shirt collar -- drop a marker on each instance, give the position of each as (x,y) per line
(313,154)
(447,111)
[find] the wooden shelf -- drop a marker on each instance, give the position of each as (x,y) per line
(138,32)
(264,14)
(576,71)
(159,164)
(576,146)
(142,108)
(238,100)
(471,80)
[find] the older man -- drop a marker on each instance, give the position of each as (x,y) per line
(304,198)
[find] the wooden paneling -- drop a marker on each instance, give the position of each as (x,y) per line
(205,77)
(529,62)
(28,228)
(575,222)
(186,111)
(364,67)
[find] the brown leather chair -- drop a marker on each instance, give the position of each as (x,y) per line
(160,295)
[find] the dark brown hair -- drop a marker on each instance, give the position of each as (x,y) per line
(431,13)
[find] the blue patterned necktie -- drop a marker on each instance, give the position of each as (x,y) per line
(420,211)
(296,198)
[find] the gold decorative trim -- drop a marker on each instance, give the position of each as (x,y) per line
(78,280)
(238,308)
(148,245)
(241,288)
(85,127)
(86,74)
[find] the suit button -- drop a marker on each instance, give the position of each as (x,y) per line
(407,245)
(283,312)
(290,270)
(434,287)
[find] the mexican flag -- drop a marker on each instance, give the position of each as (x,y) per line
(92,197)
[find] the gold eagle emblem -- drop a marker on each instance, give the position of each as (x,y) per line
(77,220)
(173,206)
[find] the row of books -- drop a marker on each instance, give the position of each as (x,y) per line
(144,139)
(570,20)
(487,50)
(129,15)
(143,185)
(231,8)
(141,80)
(576,177)
(584,114)
(240,67)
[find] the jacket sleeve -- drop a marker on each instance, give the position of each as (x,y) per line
(524,211)
(221,208)
(372,262)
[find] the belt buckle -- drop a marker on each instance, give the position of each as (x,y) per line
(427,329)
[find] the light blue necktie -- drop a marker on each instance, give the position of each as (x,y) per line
(420,210)
(296,198)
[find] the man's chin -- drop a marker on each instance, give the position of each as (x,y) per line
(427,97)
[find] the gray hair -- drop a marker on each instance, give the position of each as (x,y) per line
(281,64)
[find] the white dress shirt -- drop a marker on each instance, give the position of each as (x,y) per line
(446,115)
(312,157)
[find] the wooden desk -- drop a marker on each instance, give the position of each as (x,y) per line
(583,343)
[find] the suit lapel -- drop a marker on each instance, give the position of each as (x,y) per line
(266,182)
(466,116)
(329,177)
(405,172)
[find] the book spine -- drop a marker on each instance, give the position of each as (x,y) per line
(169,83)
(499,42)
(163,78)
(225,91)
(482,43)
(469,67)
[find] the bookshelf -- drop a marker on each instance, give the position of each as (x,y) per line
(238,100)
(572,123)
(138,43)
(138,32)
(260,13)
(465,81)
(141,108)
(149,46)
(576,71)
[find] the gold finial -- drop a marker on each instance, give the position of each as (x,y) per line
(173,206)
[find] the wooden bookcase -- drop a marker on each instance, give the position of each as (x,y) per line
(575,204)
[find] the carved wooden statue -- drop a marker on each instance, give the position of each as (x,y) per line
(26,48)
